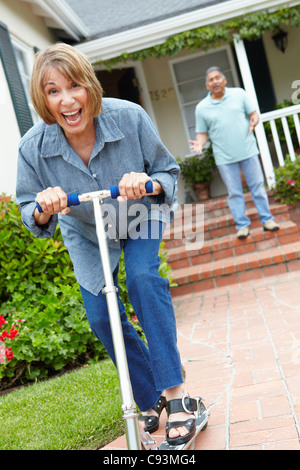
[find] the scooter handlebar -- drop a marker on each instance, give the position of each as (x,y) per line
(74,200)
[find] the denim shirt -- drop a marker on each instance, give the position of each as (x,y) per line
(126,140)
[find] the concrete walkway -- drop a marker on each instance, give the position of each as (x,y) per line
(240,346)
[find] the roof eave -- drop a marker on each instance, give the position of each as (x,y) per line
(58,14)
(156,33)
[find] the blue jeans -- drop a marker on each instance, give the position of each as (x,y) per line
(157,367)
(255,180)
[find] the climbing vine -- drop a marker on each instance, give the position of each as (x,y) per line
(250,27)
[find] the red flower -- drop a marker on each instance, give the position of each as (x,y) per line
(6,353)
(2,320)
(13,332)
(4,335)
(134,319)
(291,182)
(9,354)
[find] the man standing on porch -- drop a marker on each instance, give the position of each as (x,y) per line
(227,117)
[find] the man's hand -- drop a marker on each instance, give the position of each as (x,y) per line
(198,144)
(254,120)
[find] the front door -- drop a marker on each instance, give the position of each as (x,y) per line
(120,84)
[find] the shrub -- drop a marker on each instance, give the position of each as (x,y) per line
(287,181)
(24,258)
(198,168)
(54,334)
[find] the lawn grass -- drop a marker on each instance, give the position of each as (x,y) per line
(78,410)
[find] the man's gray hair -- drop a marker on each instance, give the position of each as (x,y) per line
(213,69)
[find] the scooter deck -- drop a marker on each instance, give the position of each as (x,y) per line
(201,424)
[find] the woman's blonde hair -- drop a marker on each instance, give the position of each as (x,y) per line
(73,65)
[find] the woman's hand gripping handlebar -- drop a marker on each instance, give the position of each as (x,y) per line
(75,199)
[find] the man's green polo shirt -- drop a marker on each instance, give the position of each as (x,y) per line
(227,125)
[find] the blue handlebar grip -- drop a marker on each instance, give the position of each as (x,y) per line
(149,187)
(39,208)
(114,190)
(73,200)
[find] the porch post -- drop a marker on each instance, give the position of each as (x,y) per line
(259,130)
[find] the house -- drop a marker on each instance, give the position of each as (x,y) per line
(156,53)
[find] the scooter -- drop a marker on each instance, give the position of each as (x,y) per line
(137,438)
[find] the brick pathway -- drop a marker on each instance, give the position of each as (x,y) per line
(240,346)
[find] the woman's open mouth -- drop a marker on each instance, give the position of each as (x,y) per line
(73,117)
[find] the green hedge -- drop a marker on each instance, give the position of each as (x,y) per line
(41,298)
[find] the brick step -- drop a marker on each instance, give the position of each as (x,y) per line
(218,206)
(229,245)
(237,269)
(175,234)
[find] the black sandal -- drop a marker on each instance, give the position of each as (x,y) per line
(152,422)
(187,405)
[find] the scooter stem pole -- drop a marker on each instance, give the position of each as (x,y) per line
(128,405)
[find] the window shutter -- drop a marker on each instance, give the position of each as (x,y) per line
(14,81)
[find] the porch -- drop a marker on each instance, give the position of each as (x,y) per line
(278,132)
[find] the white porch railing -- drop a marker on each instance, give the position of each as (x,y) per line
(278,121)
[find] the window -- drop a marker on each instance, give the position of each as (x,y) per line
(189,79)
(24,57)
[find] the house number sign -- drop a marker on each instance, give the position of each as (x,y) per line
(163,94)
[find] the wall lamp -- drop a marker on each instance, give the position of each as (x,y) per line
(281,40)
